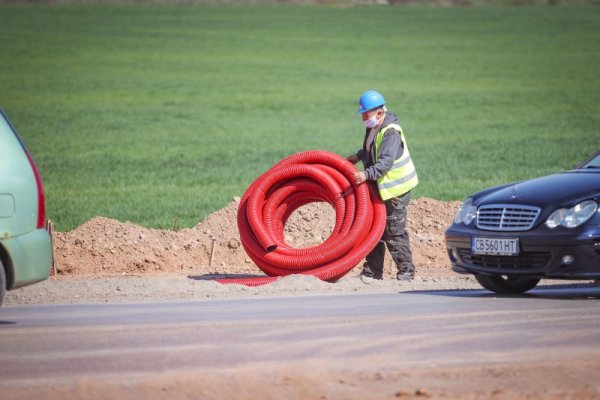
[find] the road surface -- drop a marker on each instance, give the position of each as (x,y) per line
(436,344)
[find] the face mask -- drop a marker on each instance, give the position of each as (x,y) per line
(371,122)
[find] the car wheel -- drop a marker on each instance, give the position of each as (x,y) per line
(2,283)
(506,284)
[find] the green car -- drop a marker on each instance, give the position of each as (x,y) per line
(25,243)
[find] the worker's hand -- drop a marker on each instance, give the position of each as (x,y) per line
(359,177)
(353,158)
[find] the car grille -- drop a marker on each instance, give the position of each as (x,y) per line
(506,217)
(527,260)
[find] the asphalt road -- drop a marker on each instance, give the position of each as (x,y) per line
(50,350)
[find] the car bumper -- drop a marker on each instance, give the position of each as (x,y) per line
(539,256)
(30,257)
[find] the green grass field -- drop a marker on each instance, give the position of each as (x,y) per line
(160,114)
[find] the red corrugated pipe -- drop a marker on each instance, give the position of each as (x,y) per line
(302,178)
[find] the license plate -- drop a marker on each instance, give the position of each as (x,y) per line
(495,247)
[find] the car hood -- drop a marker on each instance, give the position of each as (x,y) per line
(557,189)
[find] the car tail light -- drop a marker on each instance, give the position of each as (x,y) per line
(41,217)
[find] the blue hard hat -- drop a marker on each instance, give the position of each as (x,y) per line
(369,100)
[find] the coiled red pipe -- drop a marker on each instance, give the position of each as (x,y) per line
(302,178)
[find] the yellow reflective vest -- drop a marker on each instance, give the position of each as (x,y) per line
(402,176)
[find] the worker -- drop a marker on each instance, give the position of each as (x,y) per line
(387,162)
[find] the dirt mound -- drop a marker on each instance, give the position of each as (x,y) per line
(104,247)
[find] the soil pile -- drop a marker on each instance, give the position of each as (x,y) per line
(104,247)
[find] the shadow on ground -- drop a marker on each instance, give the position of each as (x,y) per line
(578,291)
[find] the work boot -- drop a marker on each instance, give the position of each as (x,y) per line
(406,272)
(405,276)
(368,276)
(369,279)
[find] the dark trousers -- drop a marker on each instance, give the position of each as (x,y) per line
(395,237)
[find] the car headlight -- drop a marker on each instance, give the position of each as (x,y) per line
(467,212)
(574,216)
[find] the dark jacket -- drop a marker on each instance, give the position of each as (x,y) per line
(390,150)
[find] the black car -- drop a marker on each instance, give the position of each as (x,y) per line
(511,236)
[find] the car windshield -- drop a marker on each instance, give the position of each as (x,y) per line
(593,163)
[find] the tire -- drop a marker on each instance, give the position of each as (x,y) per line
(506,284)
(2,283)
